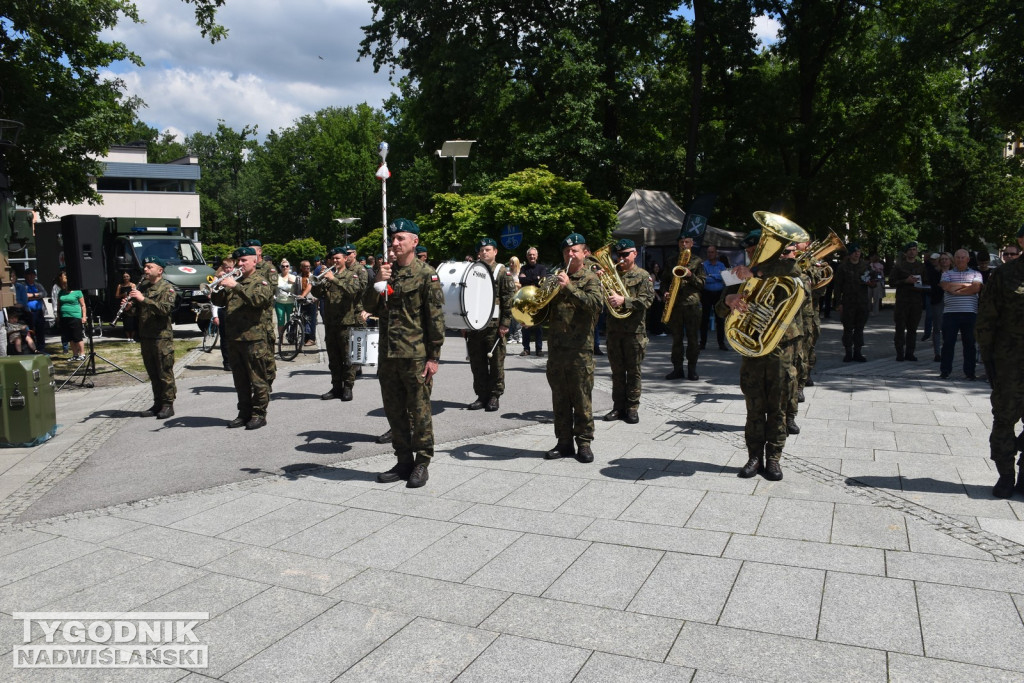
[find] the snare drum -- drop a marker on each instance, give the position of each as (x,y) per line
(468,294)
(362,346)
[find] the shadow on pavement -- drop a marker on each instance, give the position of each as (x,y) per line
(195,421)
(198,391)
(490,452)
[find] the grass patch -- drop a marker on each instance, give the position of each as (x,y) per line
(127,356)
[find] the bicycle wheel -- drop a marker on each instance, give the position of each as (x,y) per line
(210,335)
(290,341)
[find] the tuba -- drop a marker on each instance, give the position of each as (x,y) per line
(812,261)
(772,302)
(673,290)
(610,280)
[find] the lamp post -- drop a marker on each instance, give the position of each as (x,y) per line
(345,222)
(453,149)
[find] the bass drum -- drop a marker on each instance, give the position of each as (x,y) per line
(362,346)
(468,294)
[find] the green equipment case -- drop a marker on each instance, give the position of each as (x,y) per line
(28,414)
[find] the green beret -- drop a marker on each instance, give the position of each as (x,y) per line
(752,238)
(380,257)
(623,245)
(252,243)
(420,249)
(243,251)
(572,239)
(336,250)
(486,242)
(348,249)
(403,225)
(155,259)
(908,246)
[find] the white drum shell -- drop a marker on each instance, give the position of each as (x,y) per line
(362,346)
(468,294)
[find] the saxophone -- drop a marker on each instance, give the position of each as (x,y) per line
(673,290)
(610,280)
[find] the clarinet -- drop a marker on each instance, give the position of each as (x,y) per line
(124,305)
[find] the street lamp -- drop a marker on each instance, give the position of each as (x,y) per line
(346,222)
(453,149)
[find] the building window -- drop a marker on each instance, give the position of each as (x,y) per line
(110,184)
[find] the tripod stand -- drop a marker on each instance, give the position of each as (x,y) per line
(88,366)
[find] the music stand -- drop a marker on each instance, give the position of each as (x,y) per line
(89,364)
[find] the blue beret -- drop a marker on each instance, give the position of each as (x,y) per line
(752,238)
(623,245)
(243,251)
(486,242)
(908,246)
(420,249)
(573,238)
(155,259)
(252,243)
(403,225)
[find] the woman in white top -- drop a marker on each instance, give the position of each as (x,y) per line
(283,303)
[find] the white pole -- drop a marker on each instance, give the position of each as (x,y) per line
(383,174)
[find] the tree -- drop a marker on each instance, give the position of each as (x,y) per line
(51,55)
(224,204)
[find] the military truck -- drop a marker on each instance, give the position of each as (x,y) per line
(126,244)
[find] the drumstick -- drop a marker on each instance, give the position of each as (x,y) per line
(491,352)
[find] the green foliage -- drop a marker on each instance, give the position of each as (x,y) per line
(545,207)
(52,58)
(225,206)
(305,249)
(213,253)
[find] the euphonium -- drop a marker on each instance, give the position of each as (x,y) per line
(610,280)
(812,261)
(677,277)
(214,284)
(772,302)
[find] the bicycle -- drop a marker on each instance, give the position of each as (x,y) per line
(293,336)
(211,330)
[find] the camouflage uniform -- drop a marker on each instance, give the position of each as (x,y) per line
(266,271)
(343,302)
(627,339)
(853,294)
(250,353)
(685,320)
(157,338)
(802,349)
(570,369)
(768,381)
(489,373)
(411,332)
(1000,332)
(909,306)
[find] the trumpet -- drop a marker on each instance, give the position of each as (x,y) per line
(214,285)
(318,279)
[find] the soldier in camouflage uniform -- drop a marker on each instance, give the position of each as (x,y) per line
(907,275)
(153,302)
(246,302)
(804,346)
(269,273)
(1000,332)
(684,322)
(627,337)
(341,292)
(766,381)
(489,373)
(408,300)
(572,315)
(853,301)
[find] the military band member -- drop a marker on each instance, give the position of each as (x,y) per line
(489,372)
(803,346)
(1000,330)
(408,300)
(684,323)
(853,301)
(570,370)
(341,291)
(766,381)
(906,277)
(627,337)
(246,302)
(153,303)
(269,273)
(421,252)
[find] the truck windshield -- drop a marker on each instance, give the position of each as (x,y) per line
(180,252)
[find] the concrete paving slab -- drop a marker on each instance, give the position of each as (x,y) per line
(395,543)
(687,587)
(333,535)
(773,599)
(955,571)
(605,576)
(532,660)
(987,630)
(458,555)
(128,590)
(601,499)
(280,524)
(489,486)
(544,493)
(807,554)
(289,570)
(867,526)
(908,669)
(530,565)
(211,593)
(802,520)
(173,545)
(606,668)
(515,519)
(656,536)
(870,611)
(658,505)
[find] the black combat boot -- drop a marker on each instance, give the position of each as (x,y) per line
(1004,486)
(632,415)
(800,398)
(584,454)
(613,415)
(478,404)
(809,382)
(899,355)
(857,355)
(492,404)
(563,449)
(418,477)
(1020,475)
(401,470)
(772,468)
(678,373)
(791,425)
(166,411)
(691,372)
(849,355)
(346,392)
(385,437)
(755,463)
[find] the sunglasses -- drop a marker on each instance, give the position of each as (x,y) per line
(1011,253)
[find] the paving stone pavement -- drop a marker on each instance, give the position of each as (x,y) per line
(880,556)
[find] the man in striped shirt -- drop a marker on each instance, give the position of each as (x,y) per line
(960,285)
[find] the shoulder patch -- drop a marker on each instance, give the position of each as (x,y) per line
(434,278)
(266,283)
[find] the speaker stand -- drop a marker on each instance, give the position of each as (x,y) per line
(87,367)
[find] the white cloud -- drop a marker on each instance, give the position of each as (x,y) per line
(766,29)
(281,60)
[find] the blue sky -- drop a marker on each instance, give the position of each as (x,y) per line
(281,60)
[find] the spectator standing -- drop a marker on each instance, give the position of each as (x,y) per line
(944,262)
(124,288)
(654,326)
(515,331)
(71,307)
(961,285)
(31,295)
(907,278)
(877,293)
(283,303)
(530,275)
(713,286)
(303,287)
(853,281)
(984,261)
